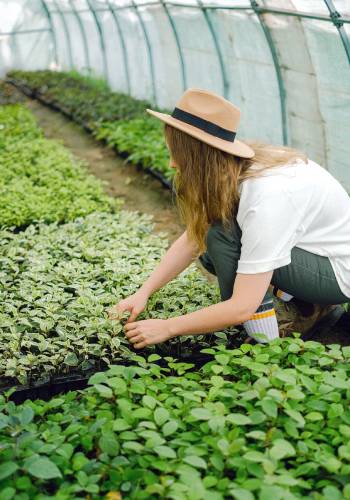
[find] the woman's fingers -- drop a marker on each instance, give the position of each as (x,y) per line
(132,334)
(133,315)
(116,311)
(137,339)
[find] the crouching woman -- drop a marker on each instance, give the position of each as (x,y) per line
(263,219)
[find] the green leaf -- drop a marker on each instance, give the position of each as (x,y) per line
(7,468)
(170,427)
(195,461)
(149,401)
(7,493)
(165,451)
(161,415)
(254,456)
(43,468)
(201,413)
(281,449)
(222,359)
(71,359)
(314,416)
(297,416)
(26,415)
(117,384)
(104,391)
(270,407)
(238,419)
(109,444)
(241,494)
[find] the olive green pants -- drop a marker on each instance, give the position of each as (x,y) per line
(308,277)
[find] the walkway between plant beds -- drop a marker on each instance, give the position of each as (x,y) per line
(139,191)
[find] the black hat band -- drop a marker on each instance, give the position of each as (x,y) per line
(209,127)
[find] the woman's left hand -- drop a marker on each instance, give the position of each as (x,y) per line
(147,332)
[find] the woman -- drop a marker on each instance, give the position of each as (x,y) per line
(257,216)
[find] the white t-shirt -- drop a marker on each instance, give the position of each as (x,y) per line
(296,204)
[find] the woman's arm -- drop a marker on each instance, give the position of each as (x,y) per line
(248,292)
(179,256)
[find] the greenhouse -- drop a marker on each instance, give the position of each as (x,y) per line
(175,249)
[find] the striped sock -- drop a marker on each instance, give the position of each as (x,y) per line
(263,325)
(280,294)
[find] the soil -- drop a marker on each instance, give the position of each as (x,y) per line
(141,192)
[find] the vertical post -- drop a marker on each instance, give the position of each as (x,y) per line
(225,81)
(66,32)
(83,34)
(52,29)
(101,37)
(149,50)
(274,55)
(178,44)
(123,45)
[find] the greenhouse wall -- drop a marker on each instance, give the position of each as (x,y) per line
(285,63)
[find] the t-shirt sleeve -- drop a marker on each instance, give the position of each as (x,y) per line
(269,231)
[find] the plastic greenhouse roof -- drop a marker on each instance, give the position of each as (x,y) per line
(285,63)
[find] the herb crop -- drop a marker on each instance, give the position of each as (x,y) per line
(56,283)
(39,178)
(118,119)
(258,422)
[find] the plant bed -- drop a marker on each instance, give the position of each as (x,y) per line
(57,282)
(256,422)
(103,113)
(9,94)
(39,179)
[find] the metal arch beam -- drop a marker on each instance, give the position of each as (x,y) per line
(83,34)
(52,29)
(123,45)
(149,50)
(225,81)
(336,19)
(101,37)
(66,32)
(280,82)
(178,44)
(15,31)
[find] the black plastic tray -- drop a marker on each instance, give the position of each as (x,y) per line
(74,382)
(47,102)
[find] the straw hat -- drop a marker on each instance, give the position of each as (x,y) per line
(209,118)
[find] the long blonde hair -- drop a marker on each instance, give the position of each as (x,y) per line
(207,179)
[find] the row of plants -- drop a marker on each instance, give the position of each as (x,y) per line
(118,119)
(39,178)
(58,281)
(9,94)
(254,423)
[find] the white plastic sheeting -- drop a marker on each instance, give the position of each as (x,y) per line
(289,74)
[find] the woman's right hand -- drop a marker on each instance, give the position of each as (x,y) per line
(135,304)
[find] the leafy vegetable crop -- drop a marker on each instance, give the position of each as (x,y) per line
(39,178)
(143,137)
(254,423)
(80,96)
(118,119)
(56,283)
(9,94)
